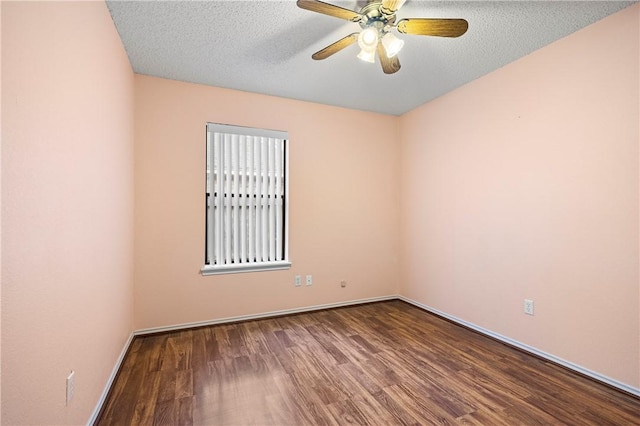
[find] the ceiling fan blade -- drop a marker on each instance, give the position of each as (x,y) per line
(329,9)
(433,27)
(389,7)
(335,47)
(389,65)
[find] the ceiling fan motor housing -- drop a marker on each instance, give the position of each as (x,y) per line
(373,16)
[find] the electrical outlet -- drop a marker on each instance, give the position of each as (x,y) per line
(298,281)
(528,307)
(71,385)
(343,283)
(309,280)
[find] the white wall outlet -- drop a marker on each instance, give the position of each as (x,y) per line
(298,281)
(343,283)
(309,280)
(528,307)
(71,385)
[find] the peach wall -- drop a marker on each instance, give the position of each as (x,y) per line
(0,214)
(67,220)
(344,204)
(524,184)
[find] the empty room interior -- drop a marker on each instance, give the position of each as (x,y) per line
(479,189)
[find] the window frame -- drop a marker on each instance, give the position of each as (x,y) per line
(213,269)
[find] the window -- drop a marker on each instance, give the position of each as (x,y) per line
(246,199)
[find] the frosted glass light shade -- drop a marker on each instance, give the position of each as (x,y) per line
(368,39)
(367,55)
(392,44)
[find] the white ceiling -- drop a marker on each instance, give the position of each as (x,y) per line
(266,46)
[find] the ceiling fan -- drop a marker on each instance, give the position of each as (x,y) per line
(377,18)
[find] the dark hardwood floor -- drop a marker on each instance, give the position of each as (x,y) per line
(380,364)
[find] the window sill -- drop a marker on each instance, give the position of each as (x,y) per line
(236,269)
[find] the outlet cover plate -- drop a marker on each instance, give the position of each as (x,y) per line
(528,306)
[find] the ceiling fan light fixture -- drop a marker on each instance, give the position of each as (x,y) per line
(392,44)
(367,55)
(377,18)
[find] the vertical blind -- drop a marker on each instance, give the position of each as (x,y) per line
(246,188)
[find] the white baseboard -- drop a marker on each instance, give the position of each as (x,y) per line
(262,315)
(577,368)
(112,377)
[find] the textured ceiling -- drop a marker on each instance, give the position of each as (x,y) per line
(266,46)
